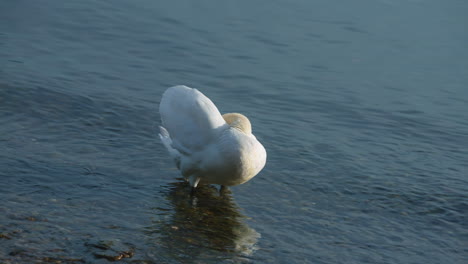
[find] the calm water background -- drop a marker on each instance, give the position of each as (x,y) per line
(362,107)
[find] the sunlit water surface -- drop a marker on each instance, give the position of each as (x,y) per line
(361,105)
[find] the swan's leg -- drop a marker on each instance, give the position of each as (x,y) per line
(194,180)
(223,190)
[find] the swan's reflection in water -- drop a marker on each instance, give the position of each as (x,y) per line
(202,227)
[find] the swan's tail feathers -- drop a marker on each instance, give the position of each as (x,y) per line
(167,142)
(163,134)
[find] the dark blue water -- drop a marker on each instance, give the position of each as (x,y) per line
(361,105)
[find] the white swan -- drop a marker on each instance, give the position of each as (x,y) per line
(209,148)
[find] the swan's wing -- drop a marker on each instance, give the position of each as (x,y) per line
(190,118)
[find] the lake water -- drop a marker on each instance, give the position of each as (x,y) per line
(361,105)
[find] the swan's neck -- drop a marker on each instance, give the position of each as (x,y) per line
(238,121)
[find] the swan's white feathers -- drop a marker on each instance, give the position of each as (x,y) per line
(167,142)
(207,147)
(190,117)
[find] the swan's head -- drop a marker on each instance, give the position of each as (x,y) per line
(239,121)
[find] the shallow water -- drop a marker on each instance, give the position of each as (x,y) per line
(361,107)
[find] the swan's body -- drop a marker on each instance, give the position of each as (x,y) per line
(209,148)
